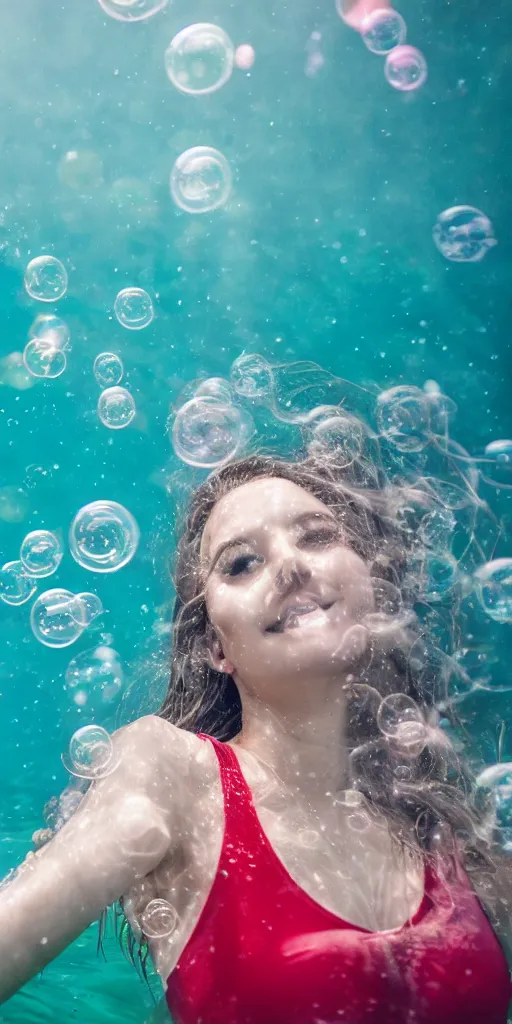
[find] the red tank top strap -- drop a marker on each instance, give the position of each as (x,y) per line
(238,802)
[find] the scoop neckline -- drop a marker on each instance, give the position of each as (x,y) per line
(414,919)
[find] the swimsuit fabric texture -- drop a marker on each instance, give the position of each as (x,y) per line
(264,952)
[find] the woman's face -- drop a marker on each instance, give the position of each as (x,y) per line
(284,592)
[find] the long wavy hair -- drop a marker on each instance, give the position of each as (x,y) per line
(429,790)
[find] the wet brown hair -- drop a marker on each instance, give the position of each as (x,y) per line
(377,519)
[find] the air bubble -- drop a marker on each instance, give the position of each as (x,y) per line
(133,308)
(207,432)
(463,234)
(116,408)
(383,30)
(405,68)
(200,180)
(16,586)
(108,369)
(103,536)
(199,60)
(46,279)
(52,621)
(41,553)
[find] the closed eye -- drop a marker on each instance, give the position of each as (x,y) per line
(320,535)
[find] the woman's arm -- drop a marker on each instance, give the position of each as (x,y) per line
(120,832)
(354,12)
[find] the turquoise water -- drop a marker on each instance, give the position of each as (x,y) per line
(324,252)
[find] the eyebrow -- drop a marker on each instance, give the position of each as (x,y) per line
(244,538)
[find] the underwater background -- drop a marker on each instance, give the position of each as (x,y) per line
(322,253)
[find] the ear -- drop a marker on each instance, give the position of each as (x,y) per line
(216,659)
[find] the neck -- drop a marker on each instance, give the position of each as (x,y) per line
(305,747)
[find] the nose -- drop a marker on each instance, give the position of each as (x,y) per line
(293,571)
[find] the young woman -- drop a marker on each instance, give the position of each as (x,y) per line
(292,834)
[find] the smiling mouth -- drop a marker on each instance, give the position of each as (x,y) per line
(299,614)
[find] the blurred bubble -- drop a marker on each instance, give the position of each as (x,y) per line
(41,553)
(46,279)
(13,372)
(135,199)
(400,720)
(116,408)
(463,234)
(341,433)
(81,170)
(85,608)
(103,536)
(51,330)
(43,360)
(500,450)
(215,387)
(436,529)
(405,68)
(494,589)
(52,620)
(251,376)
(199,59)
(437,573)
(15,586)
(200,180)
(403,417)
(159,919)
(36,475)
(133,308)
(58,810)
(387,597)
(132,10)
(244,56)
(108,369)
(14,504)
(383,30)
(496,781)
(207,432)
(498,469)
(91,753)
(472,669)
(95,674)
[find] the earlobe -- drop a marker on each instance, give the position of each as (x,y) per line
(217,661)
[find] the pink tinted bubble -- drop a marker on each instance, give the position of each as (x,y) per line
(244,56)
(405,68)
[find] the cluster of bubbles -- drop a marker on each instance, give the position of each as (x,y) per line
(384,32)
(198,61)
(103,537)
(95,677)
(116,407)
(40,556)
(44,354)
(212,426)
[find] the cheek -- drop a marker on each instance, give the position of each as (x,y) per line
(230,610)
(348,573)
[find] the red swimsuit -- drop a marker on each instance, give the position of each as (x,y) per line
(264,952)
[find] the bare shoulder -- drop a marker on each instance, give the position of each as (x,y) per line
(180,766)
